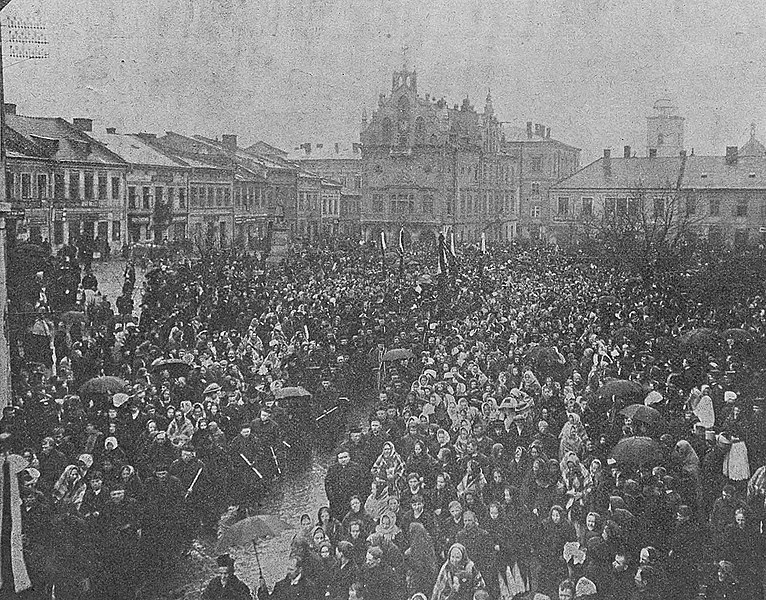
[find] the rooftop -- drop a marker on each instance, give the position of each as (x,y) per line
(626,173)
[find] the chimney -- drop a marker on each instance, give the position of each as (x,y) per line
(307,147)
(607,161)
(682,153)
(626,152)
(732,154)
(337,148)
(111,130)
(652,152)
(356,147)
(229,142)
(83,124)
(529,130)
(547,133)
(10,109)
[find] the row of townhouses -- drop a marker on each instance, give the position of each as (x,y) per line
(67,182)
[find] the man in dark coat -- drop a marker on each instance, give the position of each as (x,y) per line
(478,543)
(226,586)
(295,586)
(344,479)
(377,577)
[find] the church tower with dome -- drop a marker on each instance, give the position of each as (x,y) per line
(753,147)
(664,130)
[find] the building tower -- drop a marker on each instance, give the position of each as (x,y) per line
(664,130)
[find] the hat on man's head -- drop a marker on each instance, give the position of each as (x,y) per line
(225,560)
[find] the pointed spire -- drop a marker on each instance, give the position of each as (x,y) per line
(752,129)
(489,110)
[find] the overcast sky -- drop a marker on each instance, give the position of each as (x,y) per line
(289,71)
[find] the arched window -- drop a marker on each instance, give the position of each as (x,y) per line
(660,139)
(404,109)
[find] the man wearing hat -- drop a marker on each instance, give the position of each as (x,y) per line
(226,585)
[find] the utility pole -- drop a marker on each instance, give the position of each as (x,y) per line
(5,207)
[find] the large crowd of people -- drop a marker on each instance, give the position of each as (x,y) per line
(544,427)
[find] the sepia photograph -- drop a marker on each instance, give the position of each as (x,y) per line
(382,300)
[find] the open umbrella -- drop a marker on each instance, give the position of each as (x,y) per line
(738,335)
(621,389)
(249,531)
(640,412)
(397,354)
(175,366)
(103,385)
(292,392)
(701,338)
(543,355)
(637,450)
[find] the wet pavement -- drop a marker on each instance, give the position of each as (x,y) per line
(299,491)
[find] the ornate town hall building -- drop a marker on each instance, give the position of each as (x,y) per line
(427,166)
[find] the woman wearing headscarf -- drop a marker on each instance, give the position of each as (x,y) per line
(461,443)
(473,480)
(518,466)
(420,560)
(388,528)
(458,576)
(389,466)
(576,479)
(572,436)
(356,513)
(377,501)
(555,531)
(332,527)
(69,490)
(687,465)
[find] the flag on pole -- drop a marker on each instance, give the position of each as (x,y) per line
(382,241)
(441,254)
(483,242)
(401,241)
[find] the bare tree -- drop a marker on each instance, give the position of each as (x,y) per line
(646,232)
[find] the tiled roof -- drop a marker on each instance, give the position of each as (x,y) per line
(626,173)
(326,152)
(712,172)
(73,145)
(132,149)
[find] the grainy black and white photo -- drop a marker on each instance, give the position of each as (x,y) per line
(382,300)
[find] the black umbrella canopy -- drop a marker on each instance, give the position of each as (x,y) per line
(637,450)
(621,390)
(103,385)
(702,338)
(640,412)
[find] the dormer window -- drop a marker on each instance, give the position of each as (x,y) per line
(704,175)
(751,175)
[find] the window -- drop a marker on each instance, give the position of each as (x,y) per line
(563,208)
(714,207)
(634,205)
(659,208)
(159,193)
(9,184)
(226,197)
(470,203)
(147,197)
(402,203)
(428,204)
(103,183)
(386,131)
(536,164)
(534,188)
(131,196)
(420,130)
(377,203)
(462,203)
(171,197)
(42,186)
(193,196)
(89,186)
(534,211)
(691,204)
(609,204)
(115,188)
(587,206)
(511,202)
(358,182)
(622,207)
(26,185)
(116,233)
(219,196)
(74,185)
(740,209)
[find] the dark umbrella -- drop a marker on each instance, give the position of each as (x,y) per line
(621,389)
(640,412)
(175,366)
(738,335)
(700,338)
(249,531)
(397,354)
(292,392)
(103,385)
(543,355)
(637,450)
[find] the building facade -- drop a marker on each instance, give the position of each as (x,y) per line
(538,162)
(337,164)
(426,167)
(88,187)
